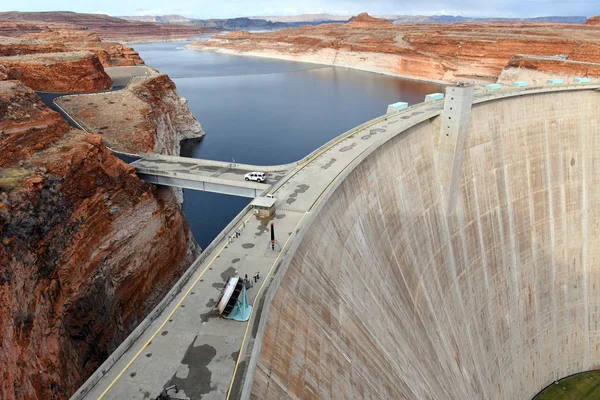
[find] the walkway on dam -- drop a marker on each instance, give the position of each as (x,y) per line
(186,343)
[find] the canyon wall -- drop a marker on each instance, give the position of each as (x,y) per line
(87,249)
(389,296)
(474,52)
(72,72)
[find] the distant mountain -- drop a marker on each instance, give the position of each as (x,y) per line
(229,24)
(291,19)
(450,19)
(168,19)
(234,24)
(107,27)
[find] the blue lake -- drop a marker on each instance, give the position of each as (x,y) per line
(263,111)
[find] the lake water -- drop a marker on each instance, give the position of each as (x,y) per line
(262,111)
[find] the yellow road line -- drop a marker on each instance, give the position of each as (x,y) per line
(255,302)
(168,317)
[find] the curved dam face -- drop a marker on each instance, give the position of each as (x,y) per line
(389,295)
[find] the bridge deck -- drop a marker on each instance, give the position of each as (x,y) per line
(187,344)
(192,174)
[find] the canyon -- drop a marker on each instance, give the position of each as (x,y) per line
(87,249)
(464,52)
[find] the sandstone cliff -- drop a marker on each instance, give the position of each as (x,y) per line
(73,72)
(147,116)
(27,126)
(473,52)
(86,249)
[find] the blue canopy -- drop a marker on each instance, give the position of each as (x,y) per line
(242,309)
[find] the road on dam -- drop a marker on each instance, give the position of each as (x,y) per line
(184,342)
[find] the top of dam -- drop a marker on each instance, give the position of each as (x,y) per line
(185,343)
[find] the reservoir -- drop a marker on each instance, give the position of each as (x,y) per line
(263,111)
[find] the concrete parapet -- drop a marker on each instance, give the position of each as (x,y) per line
(434,97)
(396,107)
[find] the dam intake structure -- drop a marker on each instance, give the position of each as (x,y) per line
(422,259)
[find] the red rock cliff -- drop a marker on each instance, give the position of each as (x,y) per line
(73,72)
(86,250)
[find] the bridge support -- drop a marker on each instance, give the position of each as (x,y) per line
(456,118)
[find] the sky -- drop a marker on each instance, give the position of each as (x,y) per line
(235,8)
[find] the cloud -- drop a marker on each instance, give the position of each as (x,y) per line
(150,11)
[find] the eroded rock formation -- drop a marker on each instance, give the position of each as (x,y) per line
(473,52)
(70,72)
(86,250)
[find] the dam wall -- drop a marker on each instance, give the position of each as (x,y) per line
(390,294)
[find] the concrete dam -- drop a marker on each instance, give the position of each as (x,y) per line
(448,251)
(390,295)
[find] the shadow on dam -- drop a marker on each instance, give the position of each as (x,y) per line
(388,295)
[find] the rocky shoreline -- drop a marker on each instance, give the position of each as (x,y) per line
(474,53)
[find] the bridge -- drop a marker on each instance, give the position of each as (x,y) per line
(206,175)
(184,343)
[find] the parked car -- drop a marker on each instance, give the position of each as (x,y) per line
(256,176)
